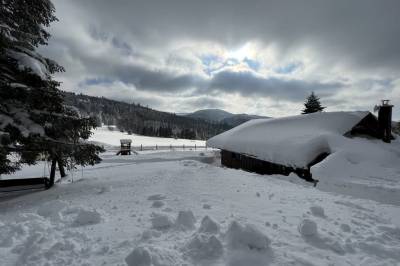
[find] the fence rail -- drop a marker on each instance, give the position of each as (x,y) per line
(167,147)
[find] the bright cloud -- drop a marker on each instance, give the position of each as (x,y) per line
(260,57)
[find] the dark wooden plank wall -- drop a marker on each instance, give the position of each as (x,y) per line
(240,161)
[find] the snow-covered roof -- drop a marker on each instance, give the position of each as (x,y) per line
(293,141)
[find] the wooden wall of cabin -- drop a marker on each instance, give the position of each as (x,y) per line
(240,161)
(235,160)
(368,126)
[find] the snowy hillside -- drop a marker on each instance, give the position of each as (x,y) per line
(103,135)
(183,208)
(224,117)
(214,115)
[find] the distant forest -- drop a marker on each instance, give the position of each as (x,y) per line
(135,118)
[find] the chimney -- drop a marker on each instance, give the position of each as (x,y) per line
(385,121)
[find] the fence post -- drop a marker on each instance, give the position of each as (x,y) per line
(183,146)
(141,147)
(195,146)
(170,146)
(156,147)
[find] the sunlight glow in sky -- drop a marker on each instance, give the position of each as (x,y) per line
(259,57)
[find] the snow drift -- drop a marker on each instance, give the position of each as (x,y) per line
(293,141)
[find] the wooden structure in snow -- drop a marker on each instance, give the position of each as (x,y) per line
(293,144)
(252,164)
(125,147)
(24,184)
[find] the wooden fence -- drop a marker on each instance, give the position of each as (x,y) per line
(168,147)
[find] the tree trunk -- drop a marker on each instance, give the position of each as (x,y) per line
(52,173)
(62,169)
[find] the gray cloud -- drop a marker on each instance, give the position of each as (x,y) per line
(363,32)
(204,102)
(141,47)
(246,83)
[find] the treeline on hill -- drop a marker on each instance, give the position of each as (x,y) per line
(134,118)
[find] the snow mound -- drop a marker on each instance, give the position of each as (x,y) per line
(204,247)
(318,211)
(148,234)
(52,209)
(140,256)
(246,237)
(345,227)
(104,189)
(86,217)
(208,226)
(185,220)
(206,206)
(294,140)
(362,168)
(161,221)
(152,256)
(157,204)
(156,197)
(308,228)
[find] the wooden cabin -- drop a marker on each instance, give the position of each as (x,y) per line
(125,147)
(293,144)
(252,164)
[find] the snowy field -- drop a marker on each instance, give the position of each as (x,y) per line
(112,139)
(183,208)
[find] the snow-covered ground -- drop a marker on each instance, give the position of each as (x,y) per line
(106,137)
(183,208)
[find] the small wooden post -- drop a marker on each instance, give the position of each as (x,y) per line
(195,146)
(141,147)
(170,146)
(183,146)
(156,147)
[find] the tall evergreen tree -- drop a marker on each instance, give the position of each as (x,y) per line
(33,118)
(312,104)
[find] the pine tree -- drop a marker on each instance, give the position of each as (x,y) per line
(312,104)
(33,118)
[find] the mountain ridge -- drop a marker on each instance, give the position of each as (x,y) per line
(135,118)
(222,116)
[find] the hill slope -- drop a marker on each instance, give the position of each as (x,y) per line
(223,117)
(238,119)
(213,115)
(134,118)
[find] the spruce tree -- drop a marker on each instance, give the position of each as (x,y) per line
(312,104)
(33,118)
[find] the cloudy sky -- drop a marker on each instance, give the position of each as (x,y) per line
(260,57)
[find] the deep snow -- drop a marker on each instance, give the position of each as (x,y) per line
(293,140)
(110,139)
(183,208)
